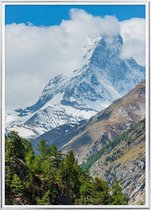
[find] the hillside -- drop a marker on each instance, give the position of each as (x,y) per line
(52,178)
(123,114)
(123,159)
(111,144)
(62,134)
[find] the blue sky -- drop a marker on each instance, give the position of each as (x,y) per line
(47,15)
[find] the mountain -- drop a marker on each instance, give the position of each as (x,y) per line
(61,134)
(111,145)
(104,77)
(123,114)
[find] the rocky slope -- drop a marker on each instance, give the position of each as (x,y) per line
(123,114)
(124,159)
(104,77)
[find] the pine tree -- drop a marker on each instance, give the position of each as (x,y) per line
(29,159)
(100,192)
(42,147)
(118,198)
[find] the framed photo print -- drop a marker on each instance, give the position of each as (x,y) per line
(75,90)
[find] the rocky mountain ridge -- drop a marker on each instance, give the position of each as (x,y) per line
(104,77)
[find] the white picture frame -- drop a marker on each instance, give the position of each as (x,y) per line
(2,75)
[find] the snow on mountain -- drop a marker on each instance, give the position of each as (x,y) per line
(104,77)
(46,118)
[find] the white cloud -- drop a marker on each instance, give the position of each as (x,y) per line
(35,54)
(133,33)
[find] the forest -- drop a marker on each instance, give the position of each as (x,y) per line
(46,176)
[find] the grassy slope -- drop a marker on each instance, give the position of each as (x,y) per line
(122,142)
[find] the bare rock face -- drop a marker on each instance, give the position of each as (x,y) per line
(126,163)
(132,177)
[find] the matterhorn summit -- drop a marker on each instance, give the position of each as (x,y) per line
(104,77)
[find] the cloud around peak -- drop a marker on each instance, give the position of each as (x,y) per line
(35,54)
(133,33)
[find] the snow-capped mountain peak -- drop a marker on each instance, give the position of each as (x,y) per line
(104,77)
